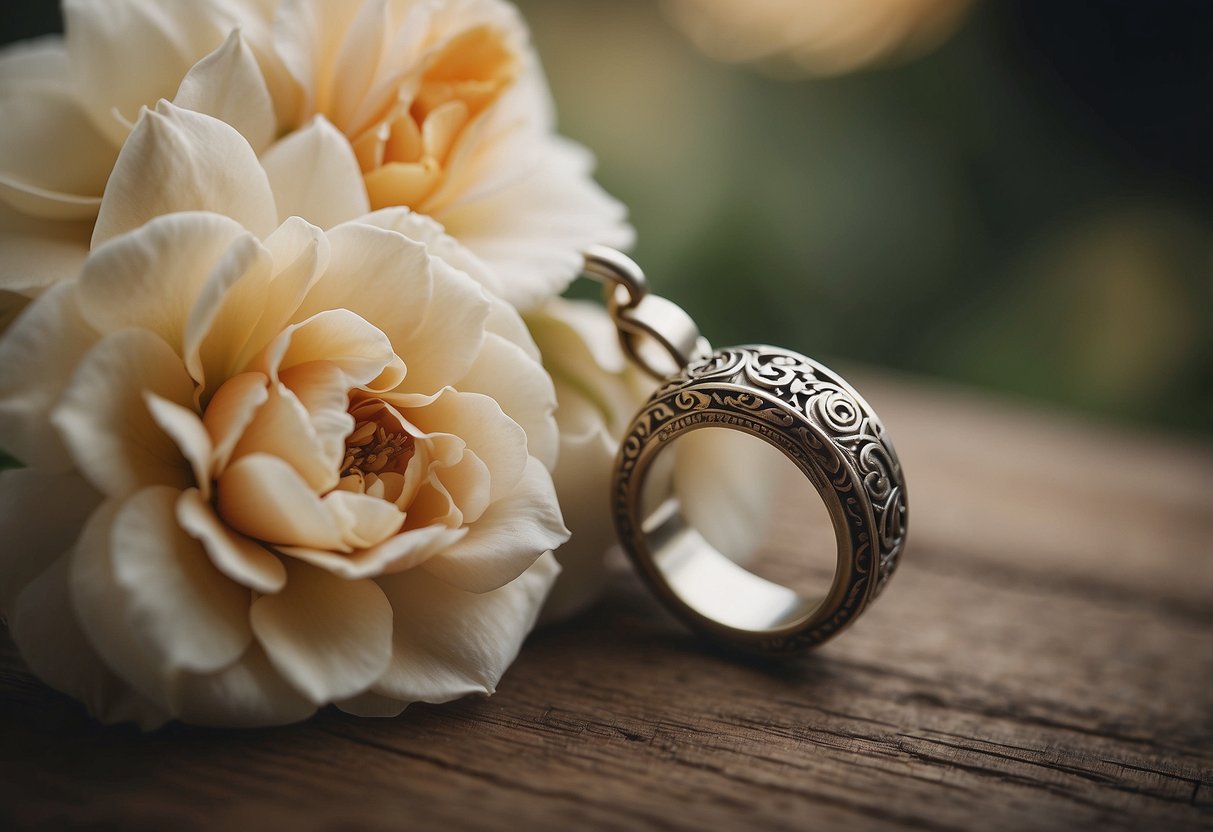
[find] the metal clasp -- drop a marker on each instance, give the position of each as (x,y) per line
(657,334)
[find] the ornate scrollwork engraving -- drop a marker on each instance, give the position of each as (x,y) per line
(819,422)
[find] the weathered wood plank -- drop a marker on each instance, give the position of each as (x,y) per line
(1042,661)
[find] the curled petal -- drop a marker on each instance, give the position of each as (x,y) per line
(510,536)
(104,419)
(242,559)
(263,497)
(404,551)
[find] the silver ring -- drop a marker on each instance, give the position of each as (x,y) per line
(822,425)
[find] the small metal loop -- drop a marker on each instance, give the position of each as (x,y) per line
(657,329)
(651,328)
(616,269)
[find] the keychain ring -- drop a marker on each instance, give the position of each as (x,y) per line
(835,439)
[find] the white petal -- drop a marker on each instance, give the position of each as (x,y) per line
(226,312)
(153,277)
(44,625)
(510,536)
(228,85)
(104,419)
(315,175)
(503,371)
(443,348)
(248,694)
(102,609)
(182,609)
(36,59)
(425,229)
(129,53)
(178,160)
(582,477)
(38,352)
(448,643)
(378,275)
(330,638)
(53,162)
(41,516)
(36,253)
(534,231)
(240,558)
(263,497)
(404,551)
(185,428)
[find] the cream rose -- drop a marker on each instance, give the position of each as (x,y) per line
(443,105)
(269,467)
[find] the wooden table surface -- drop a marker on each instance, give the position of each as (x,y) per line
(1043,659)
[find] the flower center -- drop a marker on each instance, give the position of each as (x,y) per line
(379,444)
(462,81)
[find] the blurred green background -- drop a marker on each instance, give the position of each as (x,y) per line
(1027,208)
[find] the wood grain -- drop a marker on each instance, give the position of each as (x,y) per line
(1043,660)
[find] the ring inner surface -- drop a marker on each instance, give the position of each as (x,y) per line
(756,491)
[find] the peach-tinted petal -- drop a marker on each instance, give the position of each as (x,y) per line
(45,627)
(181,608)
(231,410)
(307,37)
(339,337)
(53,162)
(507,539)
(448,643)
(365,521)
(331,192)
(240,558)
(479,421)
(41,514)
(38,352)
(504,372)
(263,497)
(468,482)
(104,419)
(281,428)
(403,551)
(179,160)
(322,388)
(329,637)
(228,85)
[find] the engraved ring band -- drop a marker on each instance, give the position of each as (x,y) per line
(806,411)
